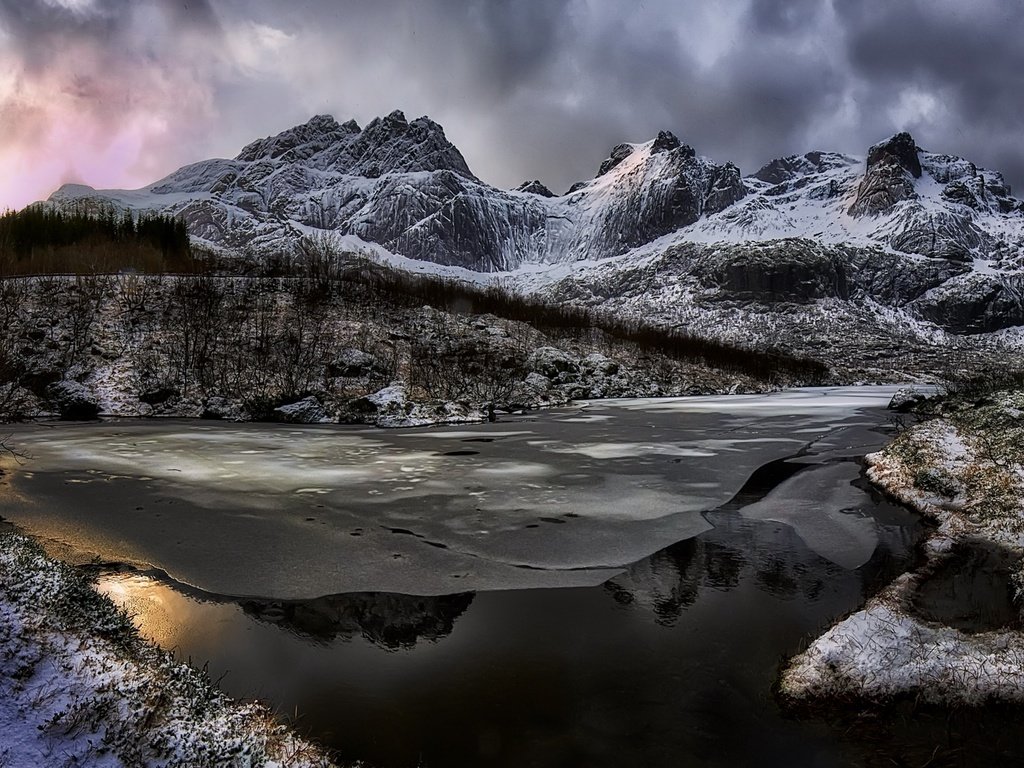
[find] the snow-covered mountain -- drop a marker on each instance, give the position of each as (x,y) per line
(403,185)
(930,237)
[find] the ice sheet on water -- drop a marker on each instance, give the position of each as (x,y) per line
(823,507)
(811,401)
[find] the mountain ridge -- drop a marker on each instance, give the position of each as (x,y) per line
(401,186)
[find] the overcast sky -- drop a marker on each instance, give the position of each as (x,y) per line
(117,93)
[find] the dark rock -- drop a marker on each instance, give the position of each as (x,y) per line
(889,175)
(549,362)
(577,187)
(309,410)
(535,188)
(390,144)
(906,399)
(665,141)
(158,395)
(791,271)
(619,153)
(975,303)
(901,150)
(963,193)
(74,401)
(351,363)
(38,378)
(781,170)
(726,188)
(940,234)
(784,169)
(216,408)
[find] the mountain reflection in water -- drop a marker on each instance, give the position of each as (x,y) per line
(387,620)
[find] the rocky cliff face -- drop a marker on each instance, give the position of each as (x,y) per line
(892,167)
(932,237)
(404,186)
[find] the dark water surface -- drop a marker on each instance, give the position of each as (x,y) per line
(578,654)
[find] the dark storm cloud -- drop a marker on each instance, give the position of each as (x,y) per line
(535,88)
(969,55)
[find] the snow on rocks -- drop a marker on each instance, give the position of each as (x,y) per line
(964,472)
(391,408)
(906,398)
(308,410)
(78,686)
(351,363)
(881,653)
(74,401)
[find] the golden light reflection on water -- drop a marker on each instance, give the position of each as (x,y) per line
(160,613)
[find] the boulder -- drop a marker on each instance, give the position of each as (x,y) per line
(599,365)
(905,399)
(550,362)
(351,363)
(216,408)
(308,410)
(74,401)
(392,401)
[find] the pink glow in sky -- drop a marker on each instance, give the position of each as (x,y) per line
(93,115)
(118,93)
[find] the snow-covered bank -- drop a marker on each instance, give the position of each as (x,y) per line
(962,470)
(78,686)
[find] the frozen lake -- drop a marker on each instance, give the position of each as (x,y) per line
(559,499)
(610,584)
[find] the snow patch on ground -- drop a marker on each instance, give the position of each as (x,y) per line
(79,687)
(964,472)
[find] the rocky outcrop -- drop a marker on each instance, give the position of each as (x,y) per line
(952,235)
(786,169)
(645,191)
(889,175)
(73,401)
(392,407)
(619,153)
(794,271)
(535,188)
(308,410)
(975,303)
(389,144)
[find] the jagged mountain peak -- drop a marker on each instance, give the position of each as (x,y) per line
(899,149)
(783,169)
(619,153)
(535,188)
(389,144)
(890,171)
(316,134)
(665,141)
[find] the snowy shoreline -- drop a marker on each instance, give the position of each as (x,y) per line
(78,685)
(963,472)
